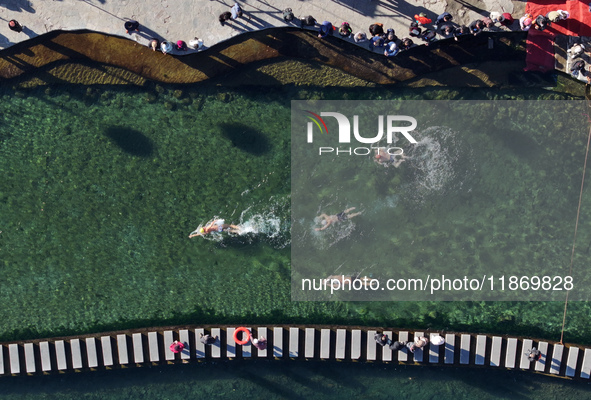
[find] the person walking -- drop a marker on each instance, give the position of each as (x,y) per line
(196,43)
(225,17)
(419,343)
(176,347)
(533,354)
(131,26)
(236,11)
(260,343)
(396,345)
(207,339)
(382,340)
(166,47)
(154,44)
(13,25)
(325,29)
(181,45)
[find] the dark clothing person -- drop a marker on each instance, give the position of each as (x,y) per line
(225,17)
(533,354)
(288,15)
(406,44)
(325,29)
(446,30)
(414,30)
(476,27)
(308,21)
(345,29)
(382,340)
(376,29)
(207,339)
(376,41)
(396,345)
(260,343)
(391,36)
(13,25)
(541,23)
(445,17)
(578,66)
(131,26)
(181,45)
(461,31)
(428,36)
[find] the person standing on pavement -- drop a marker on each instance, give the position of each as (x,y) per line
(131,26)
(13,25)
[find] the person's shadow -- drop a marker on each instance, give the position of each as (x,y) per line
(29,32)
(4,42)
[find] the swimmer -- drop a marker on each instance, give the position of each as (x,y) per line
(216,225)
(386,159)
(328,220)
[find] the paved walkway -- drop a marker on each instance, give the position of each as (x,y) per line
(185,19)
(152,347)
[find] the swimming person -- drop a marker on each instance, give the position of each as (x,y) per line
(386,159)
(217,225)
(328,220)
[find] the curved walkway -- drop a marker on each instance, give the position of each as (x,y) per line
(151,347)
(57,57)
(186,19)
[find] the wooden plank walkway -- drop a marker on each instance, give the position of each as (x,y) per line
(151,347)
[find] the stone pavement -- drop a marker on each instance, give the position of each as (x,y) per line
(174,20)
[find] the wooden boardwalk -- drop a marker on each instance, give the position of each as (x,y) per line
(151,347)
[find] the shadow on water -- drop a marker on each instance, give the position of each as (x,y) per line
(130,141)
(521,144)
(246,138)
(287,380)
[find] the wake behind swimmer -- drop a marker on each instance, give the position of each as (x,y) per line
(258,225)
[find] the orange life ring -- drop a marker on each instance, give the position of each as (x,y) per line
(245,339)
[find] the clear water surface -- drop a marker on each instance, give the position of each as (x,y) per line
(99,190)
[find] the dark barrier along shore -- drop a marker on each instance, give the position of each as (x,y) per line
(150,347)
(87,57)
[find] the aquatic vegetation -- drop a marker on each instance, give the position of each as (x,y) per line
(98,227)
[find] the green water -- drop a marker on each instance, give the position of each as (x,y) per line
(99,190)
(101,187)
(491,188)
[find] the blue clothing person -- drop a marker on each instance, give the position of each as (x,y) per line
(376,41)
(325,29)
(445,17)
(391,49)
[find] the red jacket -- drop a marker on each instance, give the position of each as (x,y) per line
(422,20)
